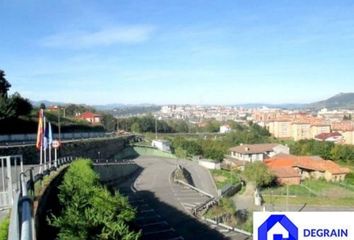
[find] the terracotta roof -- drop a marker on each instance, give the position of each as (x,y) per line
(86,115)
(286,172)
(314,163)
(324,136)
(254,148)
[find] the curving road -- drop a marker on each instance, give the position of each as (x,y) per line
(164,207)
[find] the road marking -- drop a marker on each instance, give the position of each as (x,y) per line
(137,201)
(146,211)
(161,231)
(142,218)
(189,204)
(154,223)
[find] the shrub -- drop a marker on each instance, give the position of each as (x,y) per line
(90,211)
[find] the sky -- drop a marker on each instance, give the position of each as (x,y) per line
(178,51)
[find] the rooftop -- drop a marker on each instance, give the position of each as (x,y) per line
(254,148)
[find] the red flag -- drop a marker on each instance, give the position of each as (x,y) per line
(40,130)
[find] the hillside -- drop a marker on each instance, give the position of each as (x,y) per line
(341,100)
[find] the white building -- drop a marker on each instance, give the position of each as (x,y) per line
(225,129)
(162,145)
(257,152)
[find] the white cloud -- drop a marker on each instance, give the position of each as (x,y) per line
(102,37)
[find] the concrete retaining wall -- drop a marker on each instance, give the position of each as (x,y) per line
(112,172)
(208,164)
(95,148)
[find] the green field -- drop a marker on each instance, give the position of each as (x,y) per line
(314,192)
(224,177)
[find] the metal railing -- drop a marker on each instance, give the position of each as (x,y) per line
(21,219)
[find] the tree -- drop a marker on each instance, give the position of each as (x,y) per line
(109,122)
(4,85)
(258,173)
(42,106)
(135,127)
(20,105)
(214,154)
(6,111)
(181,153)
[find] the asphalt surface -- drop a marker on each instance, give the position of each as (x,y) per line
(164,207)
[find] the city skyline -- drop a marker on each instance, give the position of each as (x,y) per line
(200,52)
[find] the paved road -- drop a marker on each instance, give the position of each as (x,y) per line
(164,207)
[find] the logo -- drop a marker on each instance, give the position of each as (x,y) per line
(266,229)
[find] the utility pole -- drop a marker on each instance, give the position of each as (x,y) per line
(59,127)
(287,197)
(155,127)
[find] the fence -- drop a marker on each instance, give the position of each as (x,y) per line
(9,166)
(21,219)
(64,136)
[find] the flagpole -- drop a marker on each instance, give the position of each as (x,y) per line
(45,142)
(41,159)
(50,156)
(50,141)
(56,157)
(45,159)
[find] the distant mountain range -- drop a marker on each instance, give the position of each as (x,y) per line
(339,101)
(281,106)
(104,107)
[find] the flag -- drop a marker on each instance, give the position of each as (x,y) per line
(45,133)
(39,142)
(50,134)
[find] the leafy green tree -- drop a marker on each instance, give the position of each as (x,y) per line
(73,109)
(343,153)
(213,126)
(6,111)
(4,85)
(214,154)
(181,153)
(20,106)
(135,127)
(42,106)
(258,173)
(109,122)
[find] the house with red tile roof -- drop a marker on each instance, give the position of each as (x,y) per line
(335,137)
(290,169)
(90,117)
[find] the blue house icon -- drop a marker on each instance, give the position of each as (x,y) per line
(273,220)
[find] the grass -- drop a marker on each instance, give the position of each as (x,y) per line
(4,228)
(40,186)
(224,177)
(313,192)
(225,209)
(294,190)
(319,201)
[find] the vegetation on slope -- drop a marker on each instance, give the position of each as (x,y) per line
(90,211)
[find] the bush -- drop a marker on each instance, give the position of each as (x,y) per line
(95,212)
(4,228)
(258,173)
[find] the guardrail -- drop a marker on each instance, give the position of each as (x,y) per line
(64,136)
(198,210)
(21,219)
